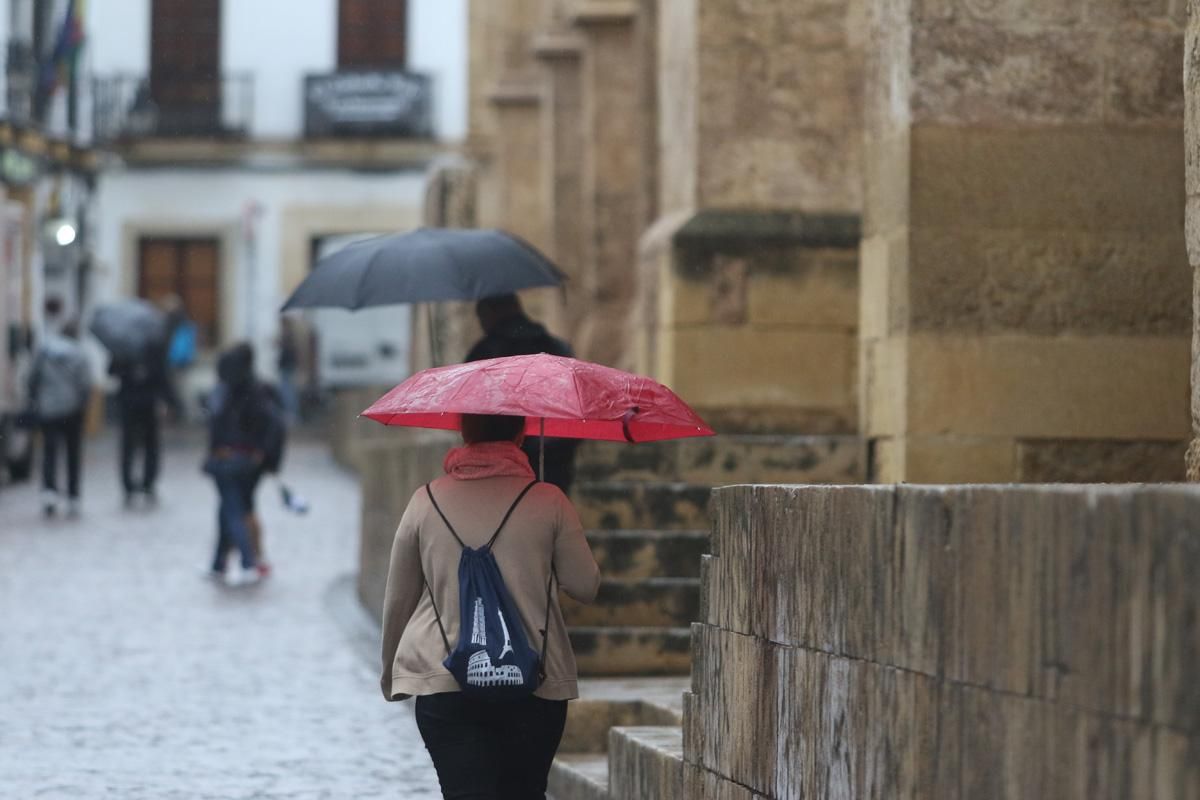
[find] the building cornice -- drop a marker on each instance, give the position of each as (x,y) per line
(284,154)
(510,93)
(557,46)
(586,13)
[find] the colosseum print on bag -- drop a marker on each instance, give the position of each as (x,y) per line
(496,661)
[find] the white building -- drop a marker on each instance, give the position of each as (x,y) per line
(246,134)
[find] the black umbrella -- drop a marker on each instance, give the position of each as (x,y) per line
(425,265)
(129,328)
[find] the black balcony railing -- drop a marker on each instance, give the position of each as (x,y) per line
(132,107)
(369,103)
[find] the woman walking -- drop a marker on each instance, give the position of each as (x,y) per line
(245,439)
(488,502)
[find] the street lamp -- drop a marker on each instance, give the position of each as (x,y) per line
(61,231)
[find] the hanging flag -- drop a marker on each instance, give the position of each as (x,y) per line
(59,69)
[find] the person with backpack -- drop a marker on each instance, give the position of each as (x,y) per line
(182,344)
(60,385)
(143,386)
(246,437)
(471,620)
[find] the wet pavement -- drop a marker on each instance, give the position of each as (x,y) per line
(124,673)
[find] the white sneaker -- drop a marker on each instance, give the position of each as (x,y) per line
(247,577)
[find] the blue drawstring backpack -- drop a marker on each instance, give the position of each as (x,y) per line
(493,659)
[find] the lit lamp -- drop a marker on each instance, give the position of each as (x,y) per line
(61,231)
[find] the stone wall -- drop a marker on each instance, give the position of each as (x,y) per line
(1191,77)
(393,468)
(976,641)
(747,285)
(753,318)
(1024,303)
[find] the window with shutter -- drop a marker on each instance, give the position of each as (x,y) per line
(372,34)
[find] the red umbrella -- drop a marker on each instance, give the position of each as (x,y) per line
(561,397)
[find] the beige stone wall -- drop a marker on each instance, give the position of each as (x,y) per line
(614,126)
(394,465)
(944,642)
(761,104)
(1023,300)
(754,321)
(742,306)
(1191,76)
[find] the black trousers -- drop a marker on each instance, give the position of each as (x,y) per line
(491,751)
(69,431)
(139,431)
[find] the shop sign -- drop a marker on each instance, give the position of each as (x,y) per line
(368,103)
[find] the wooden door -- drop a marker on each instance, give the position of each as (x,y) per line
(188,268)
(372,34)
(185,64)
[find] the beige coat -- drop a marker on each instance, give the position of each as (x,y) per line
(544,525)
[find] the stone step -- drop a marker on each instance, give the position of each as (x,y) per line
(648,554)
(724,460)
(638,603)
(626,505)
(578,776)
(608,651)
(645,763)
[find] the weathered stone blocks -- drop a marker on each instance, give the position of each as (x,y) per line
(645,764)
(1020,164)
(979,641)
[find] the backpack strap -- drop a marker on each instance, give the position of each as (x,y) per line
(511,509)
(436,614)
(546,625)
(453,532)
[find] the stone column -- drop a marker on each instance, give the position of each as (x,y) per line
(560,52)
(1191,77)
(1024,303)
(610,134)
(748,279)
(506,96)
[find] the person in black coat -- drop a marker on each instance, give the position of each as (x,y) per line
(144,385)
(508,331)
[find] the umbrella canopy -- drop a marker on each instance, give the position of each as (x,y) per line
(128,328)
(573,399)
(425,265)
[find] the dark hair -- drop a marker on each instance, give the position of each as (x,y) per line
(499,305)
(478,428)
(235,367)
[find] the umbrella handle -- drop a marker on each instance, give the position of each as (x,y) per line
(626,418)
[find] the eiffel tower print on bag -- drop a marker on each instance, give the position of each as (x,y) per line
(496,661)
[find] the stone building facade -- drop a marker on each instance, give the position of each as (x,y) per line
(951,226)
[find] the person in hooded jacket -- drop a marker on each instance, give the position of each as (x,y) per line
(508,331)
(246,435)
(60,385)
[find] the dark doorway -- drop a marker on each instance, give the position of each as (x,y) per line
(372,34)
(190,269)
(185,66)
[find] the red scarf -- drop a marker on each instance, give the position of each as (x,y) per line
(487,460)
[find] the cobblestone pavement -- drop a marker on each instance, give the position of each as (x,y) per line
(125,674)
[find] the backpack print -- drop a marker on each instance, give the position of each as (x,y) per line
(496,662)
